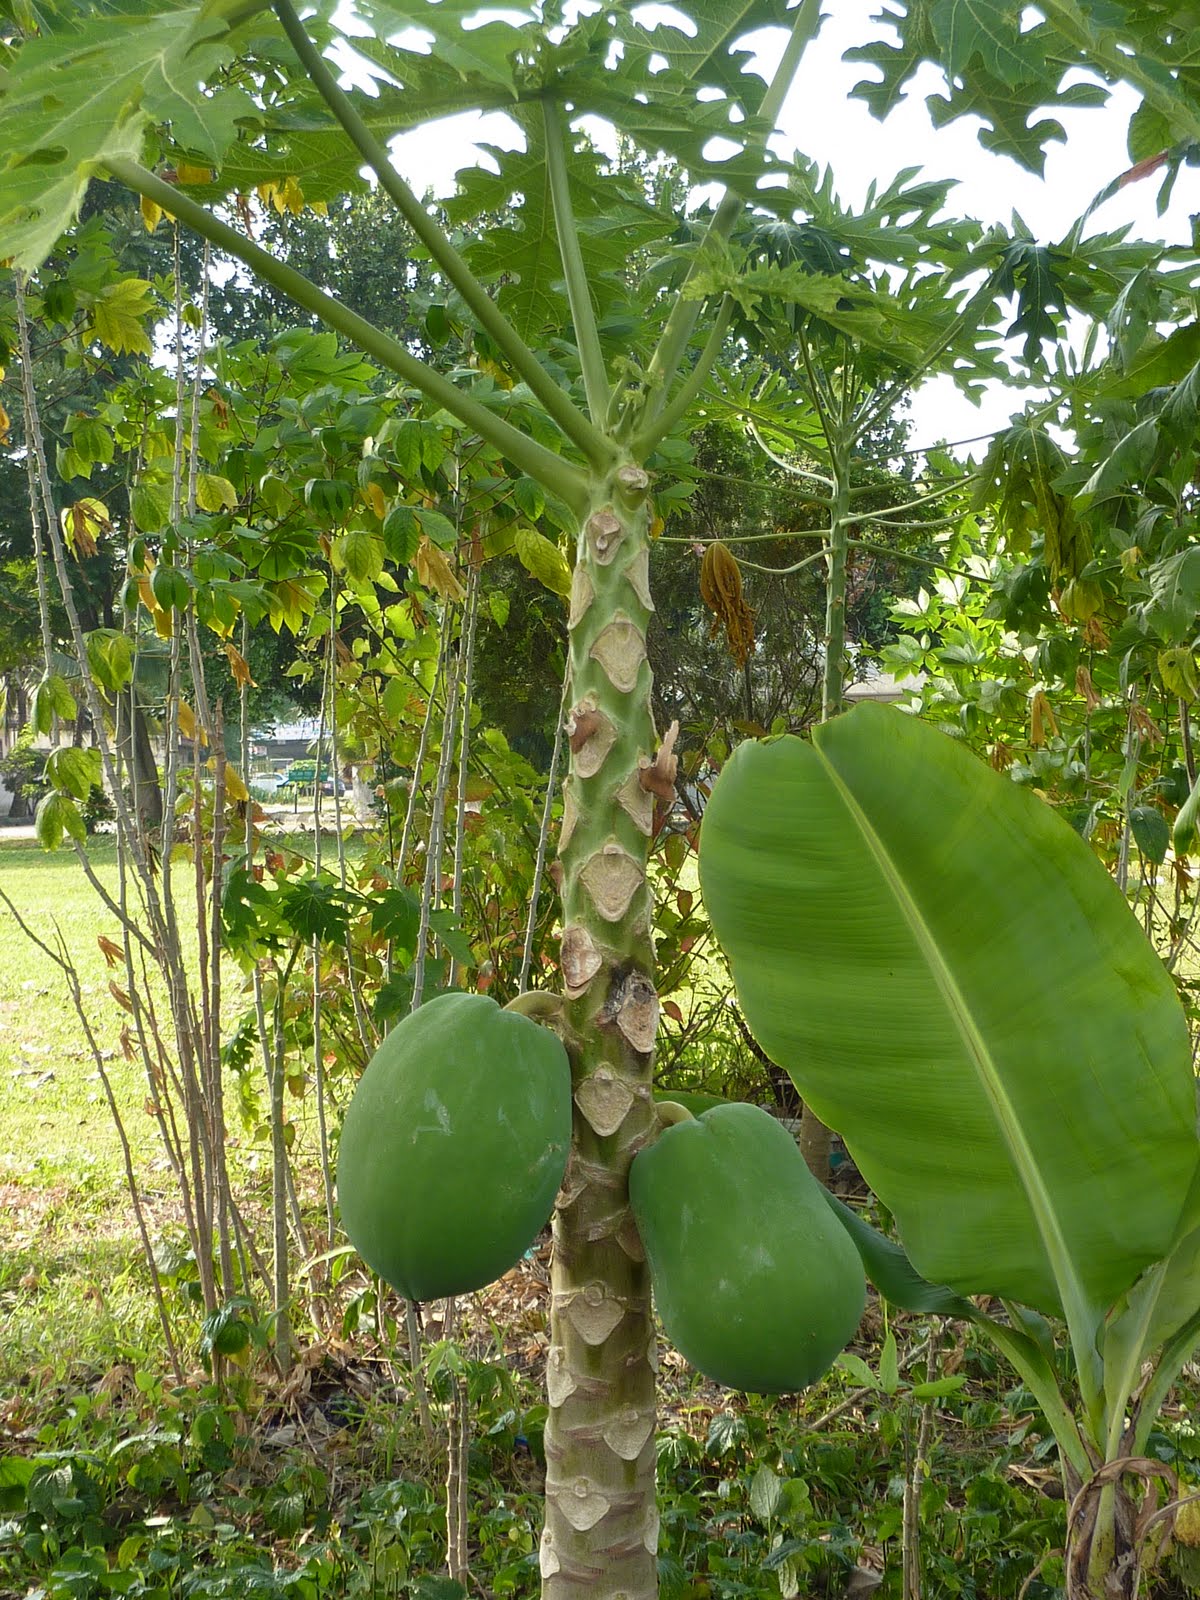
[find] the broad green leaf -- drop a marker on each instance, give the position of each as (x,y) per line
(1150,832)
(766,1493)
(892,1273)
(401,535)
(85,90)
(74,770)
(959,988)
(1174,598)
(857,1368)
(360,555)
(52,698)
(438,528)
(57,815)
(151,504)
(214,493)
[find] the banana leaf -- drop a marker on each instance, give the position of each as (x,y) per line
(957,986)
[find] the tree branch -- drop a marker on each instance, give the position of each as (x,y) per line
(558,475)
(665,362)
(495,324)
(579,295)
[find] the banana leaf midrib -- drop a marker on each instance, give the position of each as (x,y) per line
(1075,1299)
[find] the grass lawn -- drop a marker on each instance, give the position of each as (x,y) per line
(55,1127)
(70,1269)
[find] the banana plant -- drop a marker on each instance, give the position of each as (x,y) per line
(954,981)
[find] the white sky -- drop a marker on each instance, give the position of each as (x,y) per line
(822,121)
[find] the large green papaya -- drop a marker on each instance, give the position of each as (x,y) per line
(454,1145)
(756,1281)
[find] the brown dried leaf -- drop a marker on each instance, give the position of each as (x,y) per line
(1041,718)
(433,570)
(721,591)
(240,667)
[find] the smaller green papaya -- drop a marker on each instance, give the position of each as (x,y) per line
(693,1100)
(757,1283)
(454,1146)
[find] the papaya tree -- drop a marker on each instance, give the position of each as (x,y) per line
(192,103)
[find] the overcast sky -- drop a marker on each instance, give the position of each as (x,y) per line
(822,121)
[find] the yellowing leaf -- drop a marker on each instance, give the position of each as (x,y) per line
(493,370)
(543,560)
(359,554)
(433,570)
(239,666)
(5,423)
(376,499)
(215,494)
(188,726)
(152,214)
(234,787)
(287,195)
(185,172)
(1177,669)
(118,315)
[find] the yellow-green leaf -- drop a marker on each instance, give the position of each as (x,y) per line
(1177,669)
(543,560)
(215,494)
(119,314)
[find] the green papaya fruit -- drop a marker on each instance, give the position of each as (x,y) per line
(454,1146)
(757,1283)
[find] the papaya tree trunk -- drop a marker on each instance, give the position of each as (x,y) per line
(601,1532)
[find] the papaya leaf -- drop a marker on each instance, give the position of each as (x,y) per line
(86,89)
(1030,272)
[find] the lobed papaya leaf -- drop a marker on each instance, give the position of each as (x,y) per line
(86,90)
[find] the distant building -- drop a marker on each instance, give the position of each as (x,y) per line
(883,687)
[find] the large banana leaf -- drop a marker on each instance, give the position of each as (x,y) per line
(957,986)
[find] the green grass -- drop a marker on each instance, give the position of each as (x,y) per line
(55,1126)
(72,1285)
